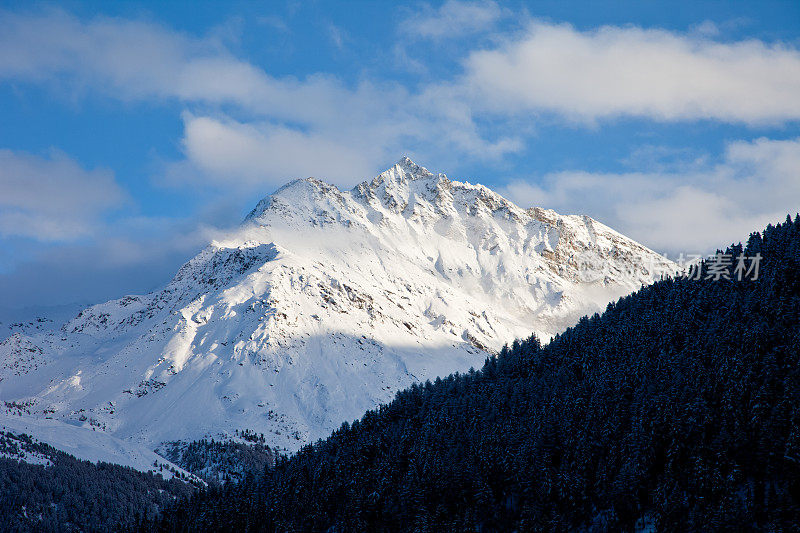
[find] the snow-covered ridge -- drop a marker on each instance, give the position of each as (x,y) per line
(320,306)
(86,445)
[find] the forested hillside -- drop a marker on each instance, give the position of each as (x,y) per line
(678,409)
(222,461)
(44,489)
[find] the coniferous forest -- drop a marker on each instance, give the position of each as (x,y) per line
(66,494)
(677,409)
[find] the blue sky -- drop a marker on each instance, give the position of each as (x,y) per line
(130,132)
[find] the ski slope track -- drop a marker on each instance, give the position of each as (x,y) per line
(320,306)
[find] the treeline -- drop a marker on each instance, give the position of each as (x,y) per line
(67,494)
(45,489)
(677,409)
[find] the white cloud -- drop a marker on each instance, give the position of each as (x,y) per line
(132,255)
(318,124)
(629,71)
(318,118)
(452,19)
(136,60)
(129,59)
(266,154)
(582,75)
(689,211)
(52,199)
(252,155)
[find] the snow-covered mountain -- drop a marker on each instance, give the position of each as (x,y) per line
(320,306)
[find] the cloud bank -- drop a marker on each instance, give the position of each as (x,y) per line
(53,199)
(143,61)
(628,71)
(690,210)
(552,69)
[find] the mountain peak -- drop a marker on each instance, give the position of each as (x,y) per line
(406,163)
(322,306)
(299,192)
(411,169)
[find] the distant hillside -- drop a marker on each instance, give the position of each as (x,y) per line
(44,489)
(677,409)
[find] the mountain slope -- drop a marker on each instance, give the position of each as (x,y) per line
(320,306)
(87,445)
(678,409)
